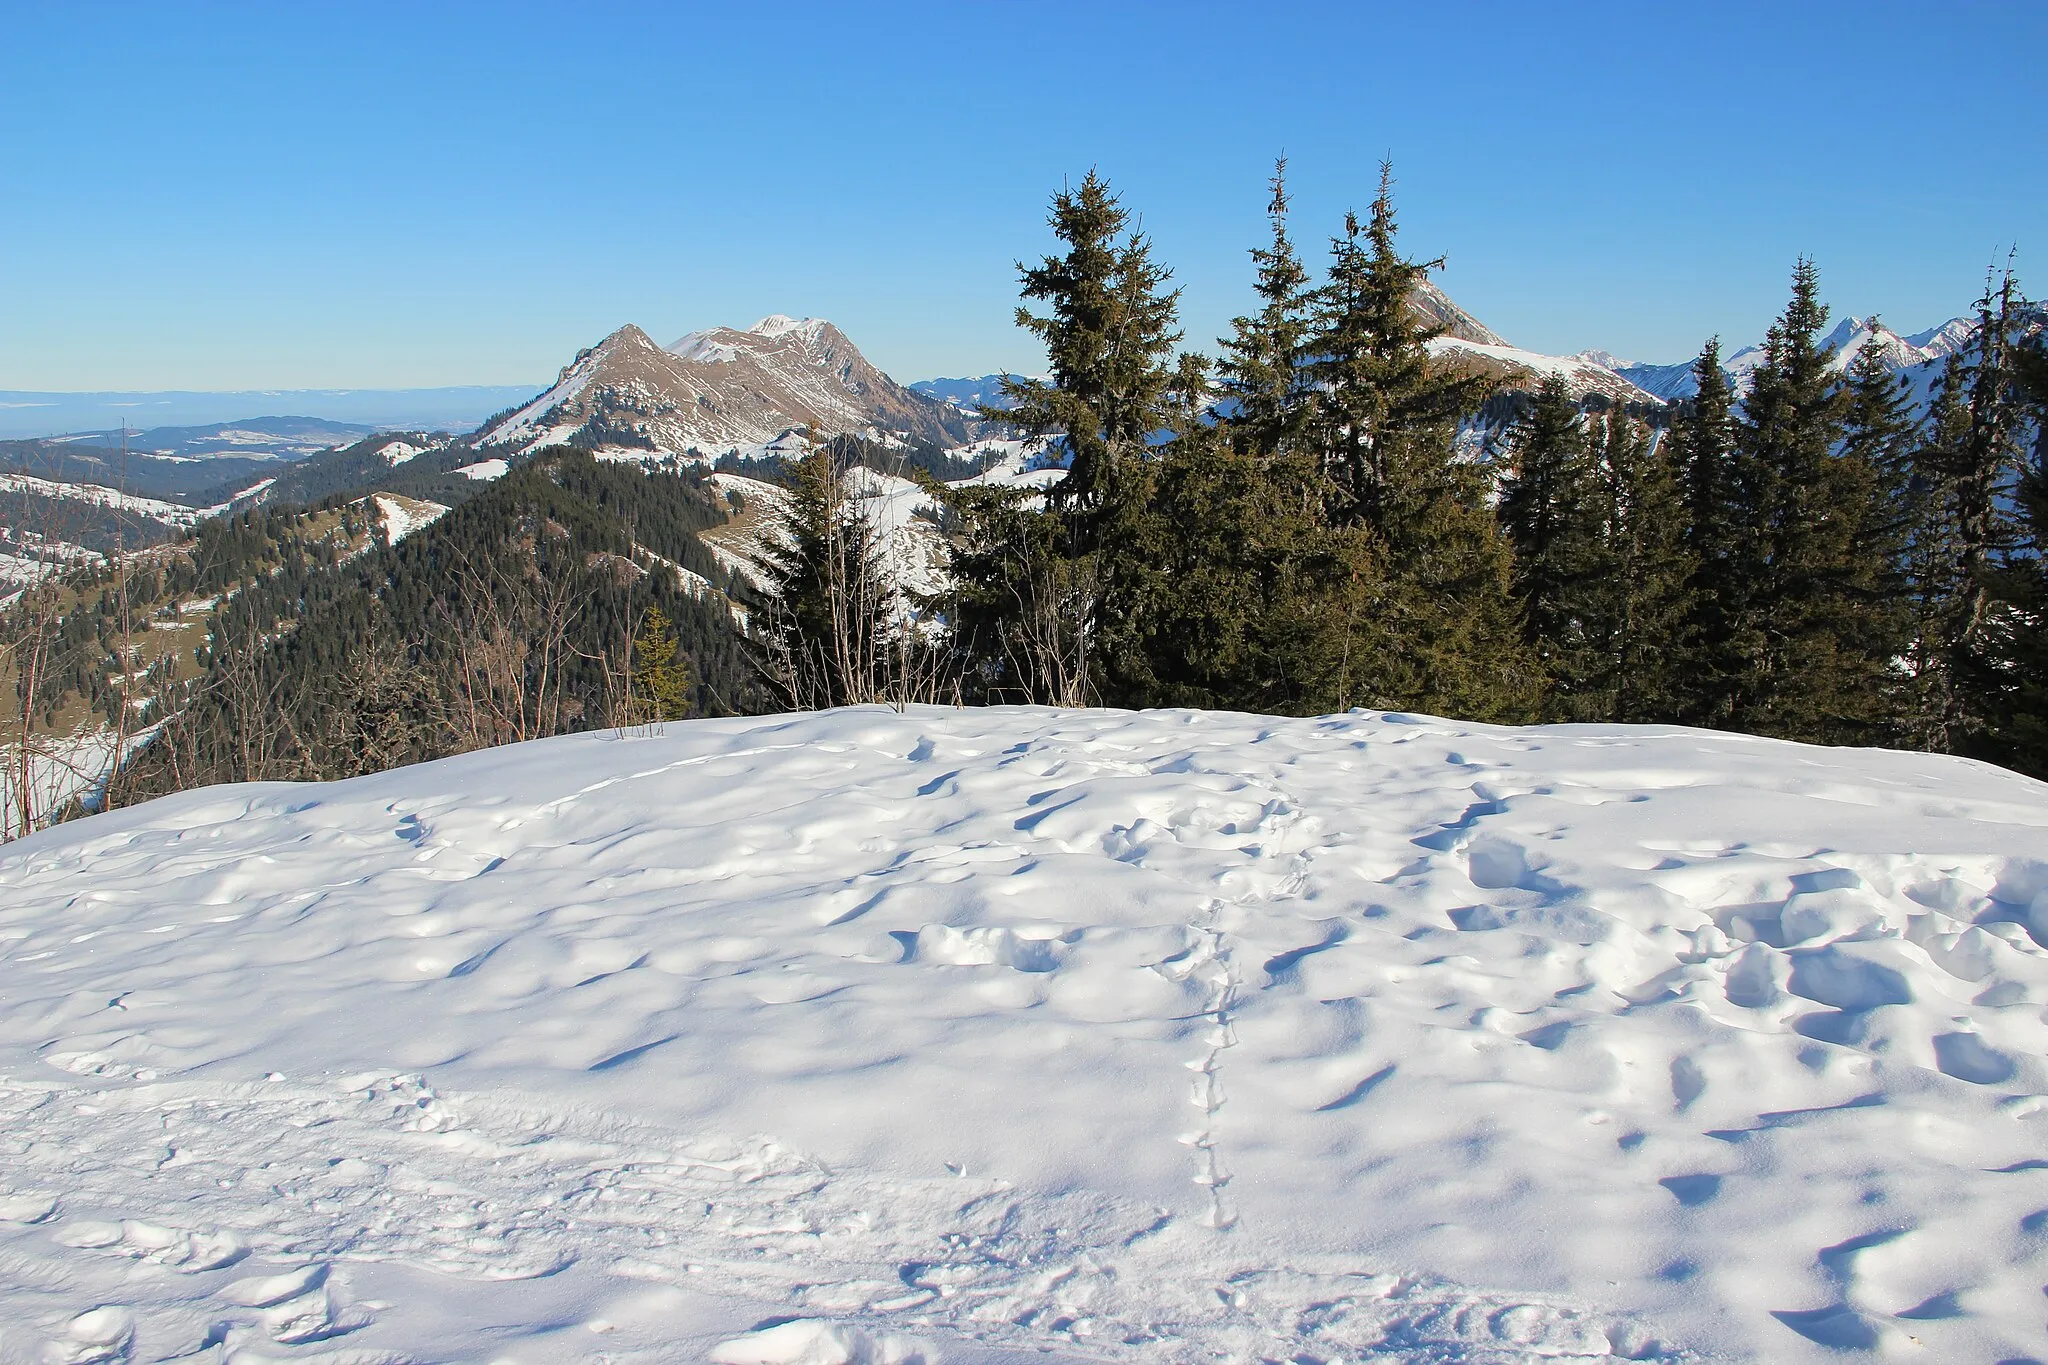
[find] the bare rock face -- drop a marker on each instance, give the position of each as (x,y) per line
(1438,310)
(722,390)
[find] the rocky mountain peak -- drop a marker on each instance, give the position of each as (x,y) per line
(724,389)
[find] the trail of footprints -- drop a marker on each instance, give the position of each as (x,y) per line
(1210,964)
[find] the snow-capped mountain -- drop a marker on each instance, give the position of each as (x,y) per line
(969,395)
(1920,353)
(724,389)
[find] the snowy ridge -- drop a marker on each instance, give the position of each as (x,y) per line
(1918,355)
(1082,1036)
(171,513)
(1581,376)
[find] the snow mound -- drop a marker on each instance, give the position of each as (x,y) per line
(1079,1035)
(806,1342)
(483,471)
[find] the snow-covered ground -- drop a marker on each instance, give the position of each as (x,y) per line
(61,769)
(1020,1034)
(483,471)
(402,515)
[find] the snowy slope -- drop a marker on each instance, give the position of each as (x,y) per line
(1519,368)
(1127,1037)
(170,513)
(401,516)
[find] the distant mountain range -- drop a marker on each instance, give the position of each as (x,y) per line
(1919,354)
(25,413)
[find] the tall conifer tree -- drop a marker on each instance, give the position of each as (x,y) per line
(1972,460)
(1720,546)
(1261,367)
(1879,435)
(1546,508)
(1439,629)
(1051,604)
(2021,735)
(1385,408)
(1637,595)
(1821,649)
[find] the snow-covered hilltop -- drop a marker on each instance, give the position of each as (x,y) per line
(722,390)
(1069,1036)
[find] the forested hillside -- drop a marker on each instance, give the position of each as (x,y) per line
(512,617)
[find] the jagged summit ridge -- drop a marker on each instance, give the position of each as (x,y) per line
(1918,355)
(724,389)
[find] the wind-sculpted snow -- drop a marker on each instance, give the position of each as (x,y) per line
(994,1035)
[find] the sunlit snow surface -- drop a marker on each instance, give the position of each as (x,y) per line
(987,1034)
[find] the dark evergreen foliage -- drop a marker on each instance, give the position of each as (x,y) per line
(1051,605)
(1438,630)
(1547,507)
(661,677)
(1636,598)
(825,633)
(510,617)
(1261,370)
(1720,548)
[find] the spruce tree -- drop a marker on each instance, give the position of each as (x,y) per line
(1879,435)
(1439,628)
(1254,590)
(661,681)
(1722,547)
(1637,593)
(1546,508)
(824,637)
(1385,408)
(1051,605)
(1974,456)
(1109,337)
(2021,734)
(1819,668)
(1261,367)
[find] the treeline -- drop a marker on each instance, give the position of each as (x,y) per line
(1293,528)
(547,604)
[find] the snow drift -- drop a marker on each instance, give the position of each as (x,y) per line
(986,1035)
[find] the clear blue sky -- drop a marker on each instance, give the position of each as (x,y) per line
(222,196)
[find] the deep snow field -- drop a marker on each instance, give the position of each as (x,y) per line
(995,1036)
